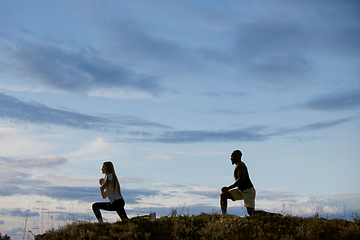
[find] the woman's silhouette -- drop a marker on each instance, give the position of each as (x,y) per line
(110,187)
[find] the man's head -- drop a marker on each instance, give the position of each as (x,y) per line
(236,157)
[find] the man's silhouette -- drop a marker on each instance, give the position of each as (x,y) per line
(242,189)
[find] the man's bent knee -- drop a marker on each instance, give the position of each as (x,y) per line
(225,196)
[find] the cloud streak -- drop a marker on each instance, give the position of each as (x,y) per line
(14,109)
(134,37)
(79,193)
(210,136)
(17,110)
(77,71)
(341,101)
(284,48)
(19,213)
(40,162)
(260,133)
(37,113)
(274,195)
(18,182)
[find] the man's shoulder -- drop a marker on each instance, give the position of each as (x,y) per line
(241,165)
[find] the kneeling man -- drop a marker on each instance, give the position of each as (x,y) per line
(242,189)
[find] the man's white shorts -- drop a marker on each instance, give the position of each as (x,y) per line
(247,195)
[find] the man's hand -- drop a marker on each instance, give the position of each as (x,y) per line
(225,189)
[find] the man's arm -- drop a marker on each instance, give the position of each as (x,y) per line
(241,174)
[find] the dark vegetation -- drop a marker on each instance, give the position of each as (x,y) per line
(212,226)
(6,237)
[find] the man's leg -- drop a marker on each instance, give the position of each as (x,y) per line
(249,199)
(223,201)
(251,211)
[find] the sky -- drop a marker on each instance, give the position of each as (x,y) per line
(166,90)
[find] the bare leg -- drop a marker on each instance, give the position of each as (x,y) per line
(251,211)
(223,201)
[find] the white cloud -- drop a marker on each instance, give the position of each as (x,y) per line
(93,147)
(98,148)
(15,142)
(335,206)
(203,153)
(120,94)
(40,162)
(155,157)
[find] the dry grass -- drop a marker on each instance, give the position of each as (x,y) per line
(212,226)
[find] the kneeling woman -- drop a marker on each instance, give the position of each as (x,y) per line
(110,187)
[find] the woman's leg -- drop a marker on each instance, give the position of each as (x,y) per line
(100,205)
(119,205)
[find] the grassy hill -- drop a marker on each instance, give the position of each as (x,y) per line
(212,226)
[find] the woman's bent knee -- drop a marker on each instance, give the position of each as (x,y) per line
(95,206)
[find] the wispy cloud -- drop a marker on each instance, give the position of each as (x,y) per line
(90,194)
(225,94)
(339,101)
(210,136)
(203,153)
(135,37)
(18,213)
(271,51)
(79,71)
(37,113)
(10,190)
(266,48)
(17,182)
(259,133)
(326,206)
(14,109)
(275,195)
(70,216)
(159,157)
(214,194)
(284,48)
(311,127)
(40,162)
(79,193)
(223,111)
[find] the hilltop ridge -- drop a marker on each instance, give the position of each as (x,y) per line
(211,226)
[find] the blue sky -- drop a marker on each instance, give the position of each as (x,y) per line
(166,90)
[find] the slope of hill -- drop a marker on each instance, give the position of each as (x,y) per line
(212,226)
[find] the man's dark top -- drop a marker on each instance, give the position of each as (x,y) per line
(246,183)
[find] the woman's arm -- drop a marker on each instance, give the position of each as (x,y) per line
(103,186)
(103,194)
